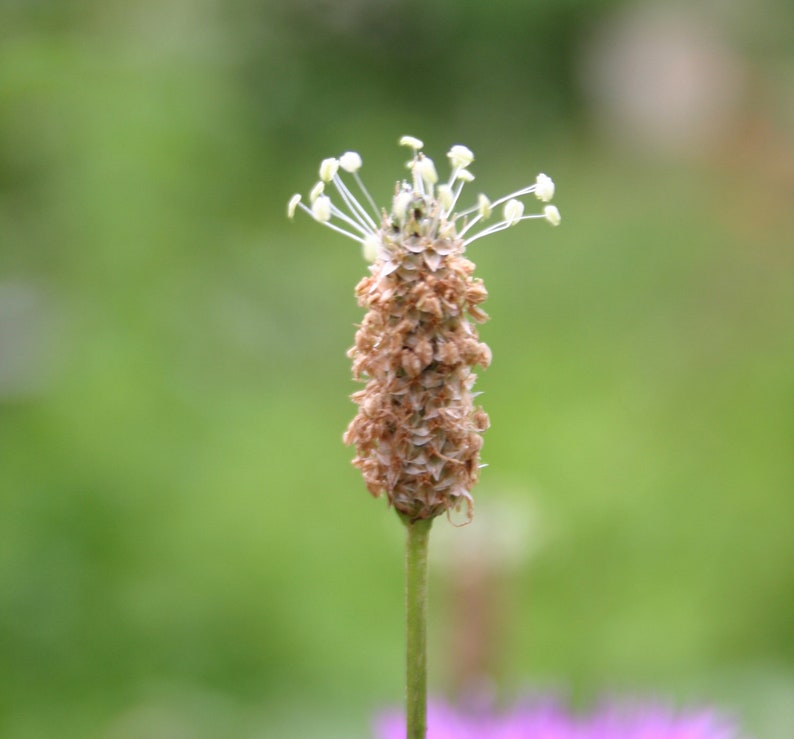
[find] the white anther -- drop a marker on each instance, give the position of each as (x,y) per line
(350,161)
(483,206)
(328,169)
(513,211)
(293,203)
(411,142)
(370,247)
(401,201)
(544,188)
(552,215)
(445,196)
(460,156)
(464,175)
(427,171)
(317,190)
(321,208)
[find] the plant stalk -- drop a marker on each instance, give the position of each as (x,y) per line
(417,540)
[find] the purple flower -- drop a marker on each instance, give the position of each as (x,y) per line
(549,720)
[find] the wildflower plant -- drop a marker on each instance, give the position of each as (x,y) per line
(417,433)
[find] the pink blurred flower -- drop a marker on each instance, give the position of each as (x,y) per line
(549,720)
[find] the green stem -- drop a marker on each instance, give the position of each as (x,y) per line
(416,620)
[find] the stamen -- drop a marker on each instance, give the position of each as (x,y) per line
(517,194)
(400,205)
(436,201)
(460,156)
(411,142)
(513,211)
(360,227)
(483,206)
(371,247)
(350,161)
(328,169)
(321,208)
(366,193)
(552,215)
(352,203)
(458,191)
(544,188)
(292,205)
(483,209)
(445,197)
(427,171)
(316,191)
(330,225)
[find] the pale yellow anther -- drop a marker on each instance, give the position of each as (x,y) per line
(328,169)
(317,190)
(292,205)
(513,211)
(483,206)
(427,170)
(447,229)
(350,161)
(321,208)
(401,201)
(544,188)
(460,156)
(411,142)
(370,248)
(445,196)
(552,215)
(464,175)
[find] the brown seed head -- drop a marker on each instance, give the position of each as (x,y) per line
(417,349)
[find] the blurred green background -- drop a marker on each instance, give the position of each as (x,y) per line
(185,550)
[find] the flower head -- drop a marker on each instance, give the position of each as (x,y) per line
(417,430)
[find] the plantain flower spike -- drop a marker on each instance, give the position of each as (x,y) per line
(417,432)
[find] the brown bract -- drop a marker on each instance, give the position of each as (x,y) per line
(417,430)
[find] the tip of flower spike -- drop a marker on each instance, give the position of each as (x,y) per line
(292,205)
(411,142)
(328,169)
(513,211)
(321,208)
(544,188)
(552,215)
(460,156)
(350,161)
